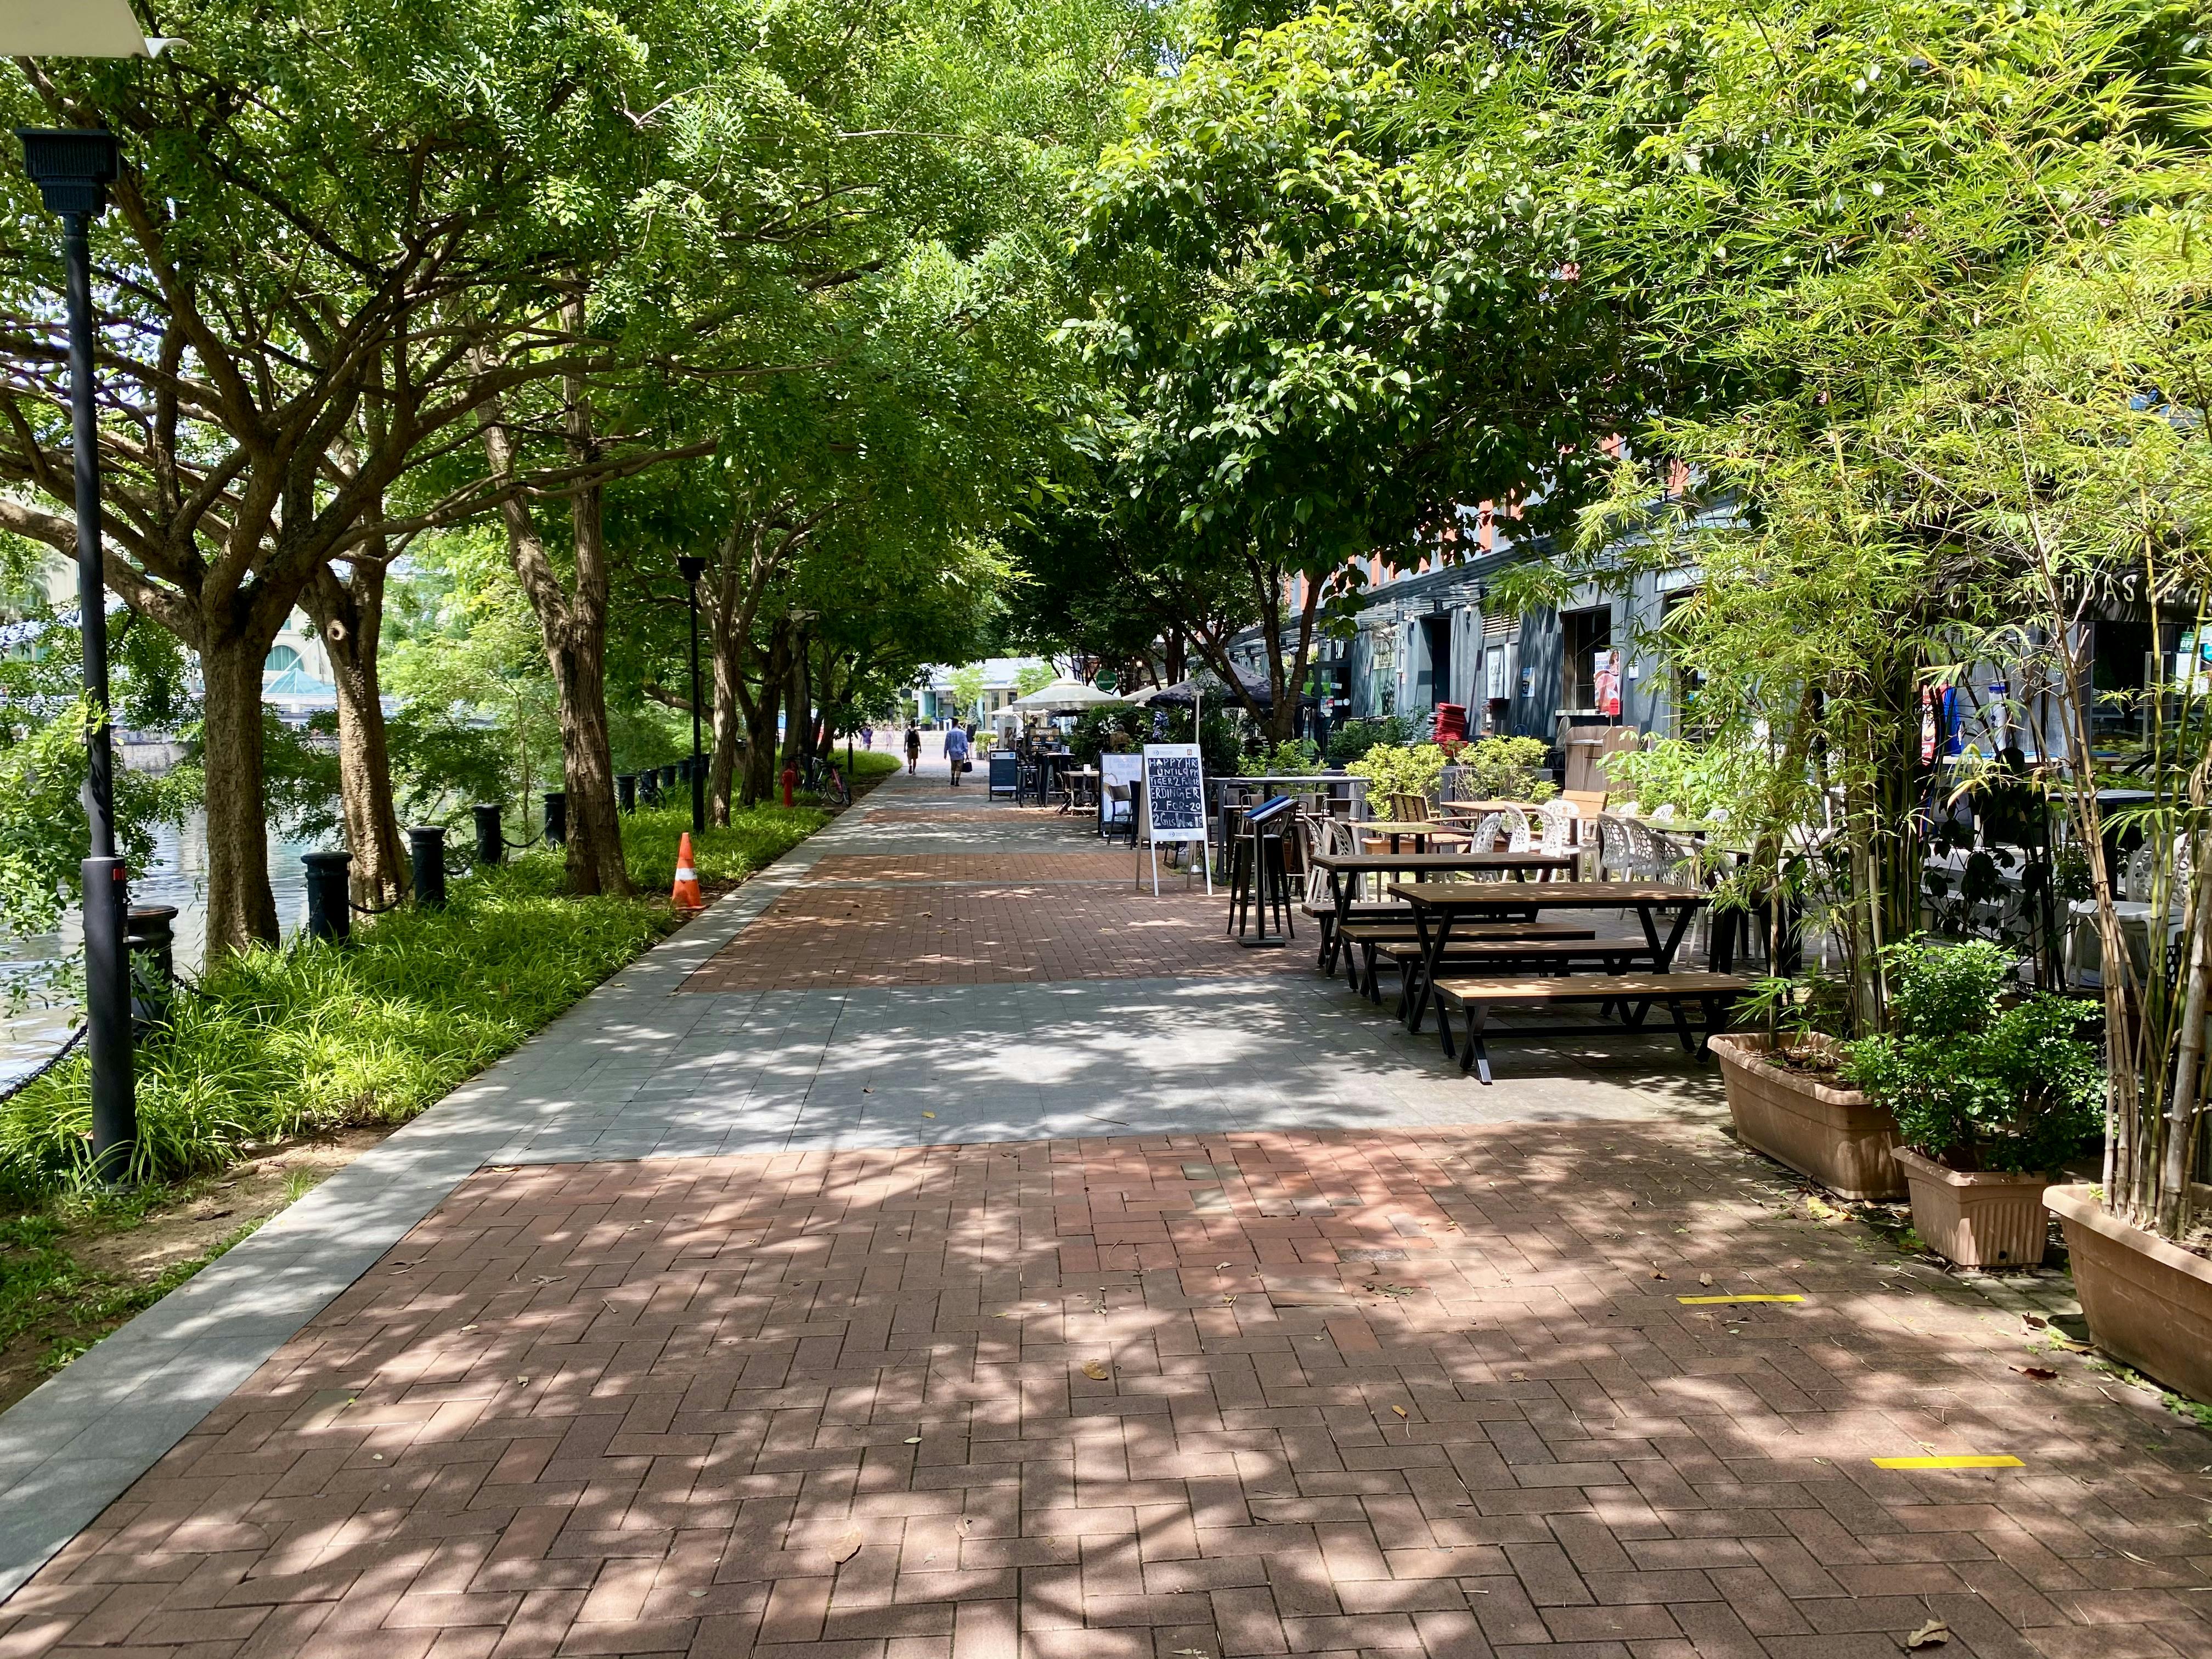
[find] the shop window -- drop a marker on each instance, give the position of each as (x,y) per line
(1587,638)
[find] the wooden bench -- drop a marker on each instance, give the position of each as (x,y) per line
(1375,911)
(1558,952)
(1471,997)
(1396,938)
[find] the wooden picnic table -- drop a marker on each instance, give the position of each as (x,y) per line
(1437,905)
(1418,830)
(1417,865)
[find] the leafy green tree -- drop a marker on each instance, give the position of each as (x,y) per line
(324,240)
(967,687)
(1299,333)
(1929,275)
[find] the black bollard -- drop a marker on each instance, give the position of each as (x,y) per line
(426,851)
(330,909)
(491,844)
(556,818)
(151,939)
(648,785)
(667,777)
(626,791)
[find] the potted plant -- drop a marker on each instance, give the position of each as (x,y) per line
(1789,1098)
(1988,1098)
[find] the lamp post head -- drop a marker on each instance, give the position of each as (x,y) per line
(691,567)
(72,167)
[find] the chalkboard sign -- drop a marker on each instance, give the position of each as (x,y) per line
(1174,792)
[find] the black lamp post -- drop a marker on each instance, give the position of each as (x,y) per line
(72,169)
(693,567)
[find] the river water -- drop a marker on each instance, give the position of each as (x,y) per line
(177,876)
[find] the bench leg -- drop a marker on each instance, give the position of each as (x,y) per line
(1443,1031)
(1475,1056)
(1682,1025)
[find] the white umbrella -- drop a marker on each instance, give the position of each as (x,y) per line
(1065,694)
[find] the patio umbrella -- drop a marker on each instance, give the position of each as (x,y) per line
(1186,693)
(1065,695)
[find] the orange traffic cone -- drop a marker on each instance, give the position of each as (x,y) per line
(686,895)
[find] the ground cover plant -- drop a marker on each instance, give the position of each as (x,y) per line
(276,1043)
(724,855)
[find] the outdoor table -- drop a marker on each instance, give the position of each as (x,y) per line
(1341,865)
(1437,905)
(1298,783)
(1083,781)
(1418,830)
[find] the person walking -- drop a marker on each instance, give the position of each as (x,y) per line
(868,737)
(912,747)
(956,752)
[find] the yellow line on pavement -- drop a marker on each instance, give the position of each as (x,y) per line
(1709,1301)
(1963,1462)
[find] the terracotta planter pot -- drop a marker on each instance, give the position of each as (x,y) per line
(1977,1218)
(2148,1302)
(1837,1136)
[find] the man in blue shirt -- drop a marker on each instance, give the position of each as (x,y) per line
(955,751)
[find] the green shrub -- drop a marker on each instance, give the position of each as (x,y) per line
(1293,758)
(1353,739)
(1391,769)
(1971,1082)
(1506,769)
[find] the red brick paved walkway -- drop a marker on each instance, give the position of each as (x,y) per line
(991,931)
(1357,1394)
(976,867)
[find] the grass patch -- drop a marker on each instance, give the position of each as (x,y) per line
(278,1043)
(46,1291)
(284,1042)
(723,856)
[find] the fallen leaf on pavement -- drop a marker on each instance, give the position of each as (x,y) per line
(848,1546)
(1705,1278)
(929,1115)
(1934,1633)
(2037,1372)
(1095,1370)
(1400,1410)
(2034,1322)
(1655,1273)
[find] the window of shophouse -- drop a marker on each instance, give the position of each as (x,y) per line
(2119,661)
(1433,684)
(1684,684)
(1588,671)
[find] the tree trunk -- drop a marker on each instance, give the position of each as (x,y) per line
(574,628)
(594,848)
(240,910)
(760,718)
(794,705)
(349,614)
(721,773)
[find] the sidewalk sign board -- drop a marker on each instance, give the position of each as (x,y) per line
(1175,804)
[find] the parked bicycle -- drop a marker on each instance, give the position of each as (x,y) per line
(825,780)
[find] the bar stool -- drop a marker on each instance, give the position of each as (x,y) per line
(1260,873)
